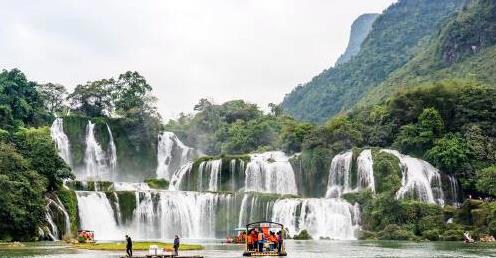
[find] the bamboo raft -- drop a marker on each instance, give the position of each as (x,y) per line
(162,256)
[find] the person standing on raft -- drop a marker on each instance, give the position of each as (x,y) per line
(129,246)
(176,246)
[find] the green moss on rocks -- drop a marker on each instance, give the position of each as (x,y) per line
(387,172)
(395,232)
(303,235)
(156,183)
(69,200)
(127,204)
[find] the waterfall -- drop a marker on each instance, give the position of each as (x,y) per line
(215,168)
(232,169)
(365,170)
(96,167)
(339,175)
(171,155)
(96,213)
(61,140)
(420,181)
(112,154)
(453,188)
(53,232)
(322,218)
(178,177)
(270,172)
(53,209)
(163,214)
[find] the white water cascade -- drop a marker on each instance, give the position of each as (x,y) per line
(178,177)
(55,208)
(96,213)
(270,172)
(171,155)
(420,180)
(322,218)
(61,140)
(339,176)
(94,159)
(112,150)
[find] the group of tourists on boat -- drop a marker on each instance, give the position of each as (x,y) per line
(263,240)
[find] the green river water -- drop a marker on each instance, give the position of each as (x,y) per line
(302,249)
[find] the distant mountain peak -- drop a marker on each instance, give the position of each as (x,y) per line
(359,31)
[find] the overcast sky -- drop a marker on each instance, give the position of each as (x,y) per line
(257,50)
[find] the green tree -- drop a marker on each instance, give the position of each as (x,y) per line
(93,98)
(292,135)
(417,138)
(21,198)
(38,148)
(20,102)
(449,153)
(486,180)
(53,96)
(131,95)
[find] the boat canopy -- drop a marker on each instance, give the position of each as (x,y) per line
(265,224)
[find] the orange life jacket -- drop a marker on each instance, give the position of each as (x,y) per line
(260,236)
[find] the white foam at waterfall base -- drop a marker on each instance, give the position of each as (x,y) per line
(420,179)
(322,218)
(61,140)
(167,141)
(270,172)
(95,213)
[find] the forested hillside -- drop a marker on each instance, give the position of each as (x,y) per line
(396,37)
(463,48)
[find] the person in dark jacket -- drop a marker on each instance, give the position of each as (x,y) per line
(129,246)
(176,245)
(279,241)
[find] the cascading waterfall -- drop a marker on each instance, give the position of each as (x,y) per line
(163,214)
(177,179)
(171,155)
(112,154)
(420,181)
(215,168)
(270,172)
(365,170)
(322,218)
(95,161)
(96,213)
(339,176)
(61,140)
(55,208)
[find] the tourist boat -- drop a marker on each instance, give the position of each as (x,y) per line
(86,236)
(269,248)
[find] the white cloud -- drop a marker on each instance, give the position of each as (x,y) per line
(225,49)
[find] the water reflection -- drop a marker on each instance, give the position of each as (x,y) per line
(305,249)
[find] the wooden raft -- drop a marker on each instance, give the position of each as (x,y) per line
(162,256)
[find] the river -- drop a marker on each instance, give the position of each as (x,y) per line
(305,249)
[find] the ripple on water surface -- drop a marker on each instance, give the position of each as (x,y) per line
(301,249)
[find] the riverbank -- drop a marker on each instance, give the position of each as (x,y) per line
(119,246)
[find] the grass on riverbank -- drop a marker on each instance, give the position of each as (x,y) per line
(119,246)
